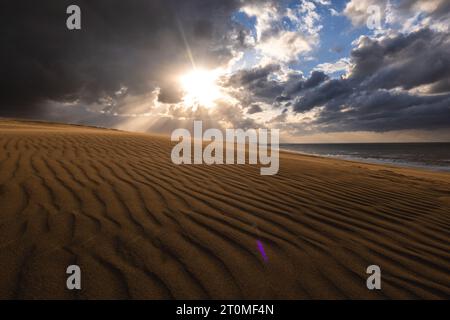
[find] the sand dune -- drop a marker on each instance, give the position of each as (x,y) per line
(141,227)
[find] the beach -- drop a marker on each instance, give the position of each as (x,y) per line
(141,227)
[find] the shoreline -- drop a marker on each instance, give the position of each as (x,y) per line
(400,165)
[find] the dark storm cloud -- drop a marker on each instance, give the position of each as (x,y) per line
(329,91)
(378,93)
(256,82)
(406,61)
(255,108)
(170,94)
(259,83)
(317,77)
(383,110)
(253,76)
(296,84)
(131,45)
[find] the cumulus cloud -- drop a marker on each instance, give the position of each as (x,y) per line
(284,34)
(357,10)
(255,85)
(383,110)
(342,64)
(284,47)
(378,93)
(404,61)
(259,85)
(408,15)
(392,82)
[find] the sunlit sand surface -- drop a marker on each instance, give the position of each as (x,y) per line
(141,227)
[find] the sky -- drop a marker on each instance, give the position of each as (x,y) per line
(317,70)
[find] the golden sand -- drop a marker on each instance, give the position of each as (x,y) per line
(141,227)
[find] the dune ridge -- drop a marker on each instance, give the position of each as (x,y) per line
(141,227)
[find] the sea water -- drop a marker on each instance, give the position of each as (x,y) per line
(433,156)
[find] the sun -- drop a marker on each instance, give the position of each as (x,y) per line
(200,87)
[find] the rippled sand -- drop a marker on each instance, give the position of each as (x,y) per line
(141,227)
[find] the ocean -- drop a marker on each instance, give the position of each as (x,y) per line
(433,156)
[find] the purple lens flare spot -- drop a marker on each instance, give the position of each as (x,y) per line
(261,249)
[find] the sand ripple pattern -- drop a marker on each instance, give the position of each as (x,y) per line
(141,227)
